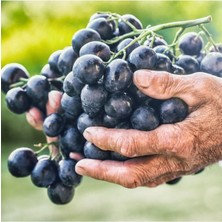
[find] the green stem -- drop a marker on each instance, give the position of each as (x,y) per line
(209,36)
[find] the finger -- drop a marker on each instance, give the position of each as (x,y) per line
(163,85)
(166,139)
(76,156)
(131,173)
(35,118)
(54,99)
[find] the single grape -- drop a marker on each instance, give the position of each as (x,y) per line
(124,125)
(72,85)
(84,121)
(174,181)
(124,43)
(93,98)
(11,73)
(37,89)
(60,194)
(53,60)
(119,105)
(155,41)
(84,36)
(71,106)
(118,76)
(109,121)
(163,63)
(102,26)
(89,68)
(142,57)
(21,162)
(190,43)
(67,174)
(49,73)
(188,63)
(44,173)
(173,110)
(145,118)
(178,70)
(91,151)
(124,27)
(17,100)
(53,124)
(66,60)
(71,140)
(212,64)
(164,49)
(97,48)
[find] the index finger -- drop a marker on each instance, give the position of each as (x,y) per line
(132,143)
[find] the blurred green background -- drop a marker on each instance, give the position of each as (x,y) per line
(31,31)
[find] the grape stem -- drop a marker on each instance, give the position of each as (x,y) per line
(142,33)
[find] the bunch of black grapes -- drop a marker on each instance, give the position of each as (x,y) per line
(95,74)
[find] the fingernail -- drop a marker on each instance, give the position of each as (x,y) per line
(31,120)
(141,78)
(87,134)
(80,169)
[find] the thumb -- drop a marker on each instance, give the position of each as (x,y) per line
(164,85)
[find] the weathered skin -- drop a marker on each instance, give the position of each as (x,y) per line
(169,151)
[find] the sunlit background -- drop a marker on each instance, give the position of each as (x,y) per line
(31,31)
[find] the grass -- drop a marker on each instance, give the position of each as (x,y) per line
(195,198)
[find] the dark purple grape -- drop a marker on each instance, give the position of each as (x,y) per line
(188,63)
(71,140)
(49,73)
(153,42)
(91,151)
(37,89)
(71,106)
(72,85)
(163,63)
(102,26)
(124,125)
(125,43)
(44,173)
(67,174)
(60,194)
(11,73)
(21,162)
(164,49)
(191,43)
(212,64)
(173,110)
(124,27)
(83,36)
(174,181)
(53,124)
(97,48)
(118,76)
(84,121)
(93,98)
(109,121)
(89,68)
(142,57)
(178,70)
(117,156)
(107,16)
(145,118)
(138,97)
(66,60)
(119,105)
(17,100)
(53,60)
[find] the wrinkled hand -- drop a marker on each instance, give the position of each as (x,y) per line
(171,150)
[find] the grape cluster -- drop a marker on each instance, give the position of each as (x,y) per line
(95,75)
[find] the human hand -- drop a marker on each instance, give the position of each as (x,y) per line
(171,150)
(35,117)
